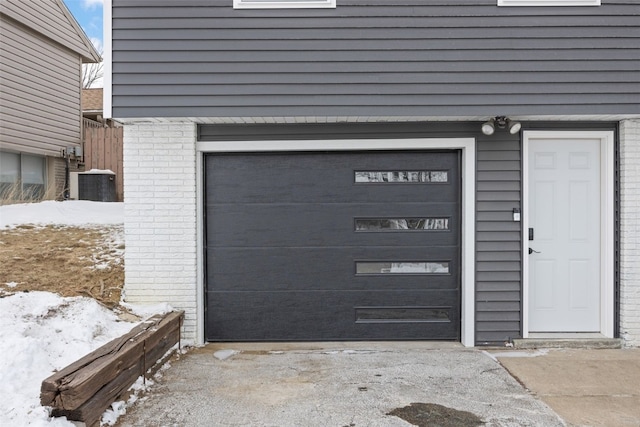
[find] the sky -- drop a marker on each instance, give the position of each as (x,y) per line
(88,13)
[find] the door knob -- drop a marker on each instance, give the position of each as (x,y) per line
(531,251)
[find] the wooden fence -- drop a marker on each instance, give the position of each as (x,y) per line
(103,150)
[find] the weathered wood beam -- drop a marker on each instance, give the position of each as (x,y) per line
(84,390)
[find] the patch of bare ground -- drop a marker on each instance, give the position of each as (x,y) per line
(70,261)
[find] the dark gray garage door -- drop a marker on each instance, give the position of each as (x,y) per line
(333,246)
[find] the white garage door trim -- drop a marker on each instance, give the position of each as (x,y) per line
(468,170)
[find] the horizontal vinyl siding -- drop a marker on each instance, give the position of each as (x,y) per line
(498,263)
(40,108)
(202,58)
(498,239)
(47,18)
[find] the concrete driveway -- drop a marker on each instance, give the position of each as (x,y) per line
(338,384)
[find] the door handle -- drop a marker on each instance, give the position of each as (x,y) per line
(531,251)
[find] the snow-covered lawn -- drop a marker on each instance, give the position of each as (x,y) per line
(72,212)
(41,332)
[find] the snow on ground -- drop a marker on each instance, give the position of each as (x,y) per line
(42,332)
(70,212)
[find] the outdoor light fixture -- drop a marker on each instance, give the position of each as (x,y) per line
(501,122)
(488,128)
(514,127)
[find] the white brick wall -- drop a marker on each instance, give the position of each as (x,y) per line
(160,217)
(630,231)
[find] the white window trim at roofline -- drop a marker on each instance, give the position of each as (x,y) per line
(549,2)
(283,4)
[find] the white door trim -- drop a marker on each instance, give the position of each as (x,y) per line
(466,145)
(607,310)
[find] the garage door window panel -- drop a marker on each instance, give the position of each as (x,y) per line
(401,177)
(401,224)
(402,314)
(401,267)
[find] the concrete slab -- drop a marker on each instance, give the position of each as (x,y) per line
(586,387)
(333,384)
(582,343)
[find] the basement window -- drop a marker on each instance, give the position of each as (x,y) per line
(22,176)
(549,2)
(283,4)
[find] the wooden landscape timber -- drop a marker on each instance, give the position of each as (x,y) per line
(85,389)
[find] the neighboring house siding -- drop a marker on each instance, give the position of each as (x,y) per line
(498,247)
(40,92)
(160,217)
(202,58)
(49,19)
(629,227)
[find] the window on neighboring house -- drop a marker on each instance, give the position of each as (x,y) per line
(282,4)
(548,2)
(22,176)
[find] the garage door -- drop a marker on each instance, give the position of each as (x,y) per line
(333,246)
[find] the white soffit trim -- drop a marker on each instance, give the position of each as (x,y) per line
(468,147)
(107,58)
(366,119)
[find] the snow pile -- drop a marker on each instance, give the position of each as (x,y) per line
(99,172)
(42,333)
(70,212)
(149,310)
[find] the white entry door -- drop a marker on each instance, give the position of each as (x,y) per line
(565,234)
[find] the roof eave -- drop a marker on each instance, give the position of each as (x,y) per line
(93,56)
